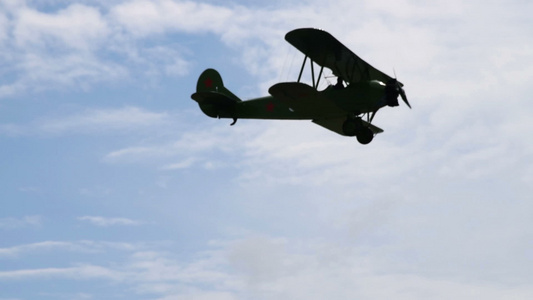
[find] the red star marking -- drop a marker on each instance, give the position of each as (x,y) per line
(270,107)
(208,82)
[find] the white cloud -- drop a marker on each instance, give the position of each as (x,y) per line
(408,9)
(106,222)
(13,251)
(78,272)
(92,121)
(85,246)
(180,165)
(100,120)
(91,30)
(78,26)
(75,47)
(144,18)
(3,28)
(436,207)
(69,69)
(318,271)
(278,268)
(133,154)
(16,223)
(194,144)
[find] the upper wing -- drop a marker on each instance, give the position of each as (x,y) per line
(327,51)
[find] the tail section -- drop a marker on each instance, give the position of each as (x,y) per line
(214,99)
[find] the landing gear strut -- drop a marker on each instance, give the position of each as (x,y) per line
(351,126)
(355,127)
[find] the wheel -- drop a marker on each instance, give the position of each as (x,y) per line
(365,136)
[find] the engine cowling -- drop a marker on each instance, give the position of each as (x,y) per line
(392,91)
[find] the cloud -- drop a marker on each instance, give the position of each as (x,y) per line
(3,28)
(17,223)
(47,245)
(275,268)
(106,222)
(89,35)
(170,60)
(180,165)
(85,246)
(189,144)
(91,121)
(102,120)
(78,272)
(76,46)
(152,271)
(144,18)
(437,206)
(86,28)
(49,50)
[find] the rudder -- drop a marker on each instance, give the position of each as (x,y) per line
(211,81)
(214,99)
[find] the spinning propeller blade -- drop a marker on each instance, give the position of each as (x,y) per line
(400,89)
(404,97)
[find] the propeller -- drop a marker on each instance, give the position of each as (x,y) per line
(404,96)
(395,88)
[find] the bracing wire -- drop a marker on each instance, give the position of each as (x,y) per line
(291,50)
(284,66)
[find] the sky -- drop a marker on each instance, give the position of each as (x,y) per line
(114,185)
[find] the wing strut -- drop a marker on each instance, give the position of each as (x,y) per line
(302,69)
(319,76)
(372,117)
(315,80)
(313,73)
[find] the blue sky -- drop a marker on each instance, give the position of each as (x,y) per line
(116,186)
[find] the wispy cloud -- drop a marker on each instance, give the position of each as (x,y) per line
(276,268)
(86,27)
(16,223)
(86,246)
(188,143)
(437,205)
(40,246)
(78,272)
(106,222)
(55,49)
(126,118)
(72,48)
(180,165)
(144,18)
(91,121)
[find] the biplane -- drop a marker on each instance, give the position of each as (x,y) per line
(347,107)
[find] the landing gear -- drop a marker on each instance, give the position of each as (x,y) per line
(365,136)
(355,127)
(350,127)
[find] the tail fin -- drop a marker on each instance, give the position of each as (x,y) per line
(211,81)
(214,99)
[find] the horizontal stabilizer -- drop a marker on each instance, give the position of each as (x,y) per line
(213,98)
(215,104)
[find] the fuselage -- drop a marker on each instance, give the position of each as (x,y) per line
(356,99)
